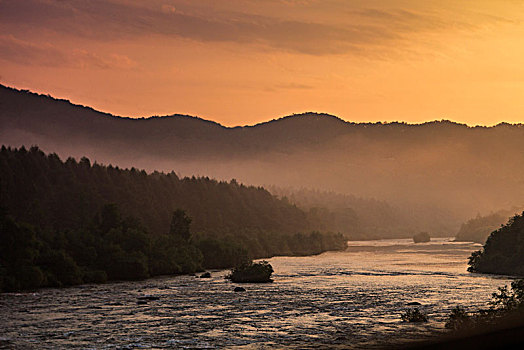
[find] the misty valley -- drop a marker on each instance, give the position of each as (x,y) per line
(302,232)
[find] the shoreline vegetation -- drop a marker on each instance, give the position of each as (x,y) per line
(503,252)
(501,326)
(69,223)
(259,272)
(30,260)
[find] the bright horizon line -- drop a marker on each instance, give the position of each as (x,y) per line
(282,115)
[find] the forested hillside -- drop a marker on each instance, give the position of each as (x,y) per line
(436,174)
(45,191)
(503,252)
(70,222)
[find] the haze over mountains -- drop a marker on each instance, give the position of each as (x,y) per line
(436,173)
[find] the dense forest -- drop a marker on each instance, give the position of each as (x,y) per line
(68,222)
(503,252)
(435,174)
(46,191)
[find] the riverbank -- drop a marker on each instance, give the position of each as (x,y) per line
(352,298)
(190,274)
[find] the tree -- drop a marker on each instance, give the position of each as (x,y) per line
(503,252)
(251,272)
(109,218)
(510,300)
(180,225)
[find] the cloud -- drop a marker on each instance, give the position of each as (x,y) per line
(19,51)
(402,20)
(168,8)
(47,55)
(111,20)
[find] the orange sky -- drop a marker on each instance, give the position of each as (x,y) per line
(246,61)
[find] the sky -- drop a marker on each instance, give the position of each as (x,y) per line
(247,61)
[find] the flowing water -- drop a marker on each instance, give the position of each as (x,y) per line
(353,299)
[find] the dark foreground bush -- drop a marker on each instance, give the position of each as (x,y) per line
(506,305)
(458,319)
(511,299)
(414,315)
(252,273)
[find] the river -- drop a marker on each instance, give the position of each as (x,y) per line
(352,298)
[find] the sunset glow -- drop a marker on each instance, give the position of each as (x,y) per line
(244,62)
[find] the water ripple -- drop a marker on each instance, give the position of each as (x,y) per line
(353,298)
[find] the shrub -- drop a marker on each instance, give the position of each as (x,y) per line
(458,319)
(128,266)
(507,303)
(61,270)
(252,273)
(414,315)
(21,278)
(94,276)
(222,253)
(510,300)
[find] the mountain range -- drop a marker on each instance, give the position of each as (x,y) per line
(437,173)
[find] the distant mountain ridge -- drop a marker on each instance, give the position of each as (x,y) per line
(440,171)
(52,117)
(99,125)
(19,106)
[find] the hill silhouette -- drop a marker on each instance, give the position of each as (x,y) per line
(437,173)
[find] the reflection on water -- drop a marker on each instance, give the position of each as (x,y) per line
(353,298)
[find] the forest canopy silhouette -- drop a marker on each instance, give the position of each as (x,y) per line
(65,223)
